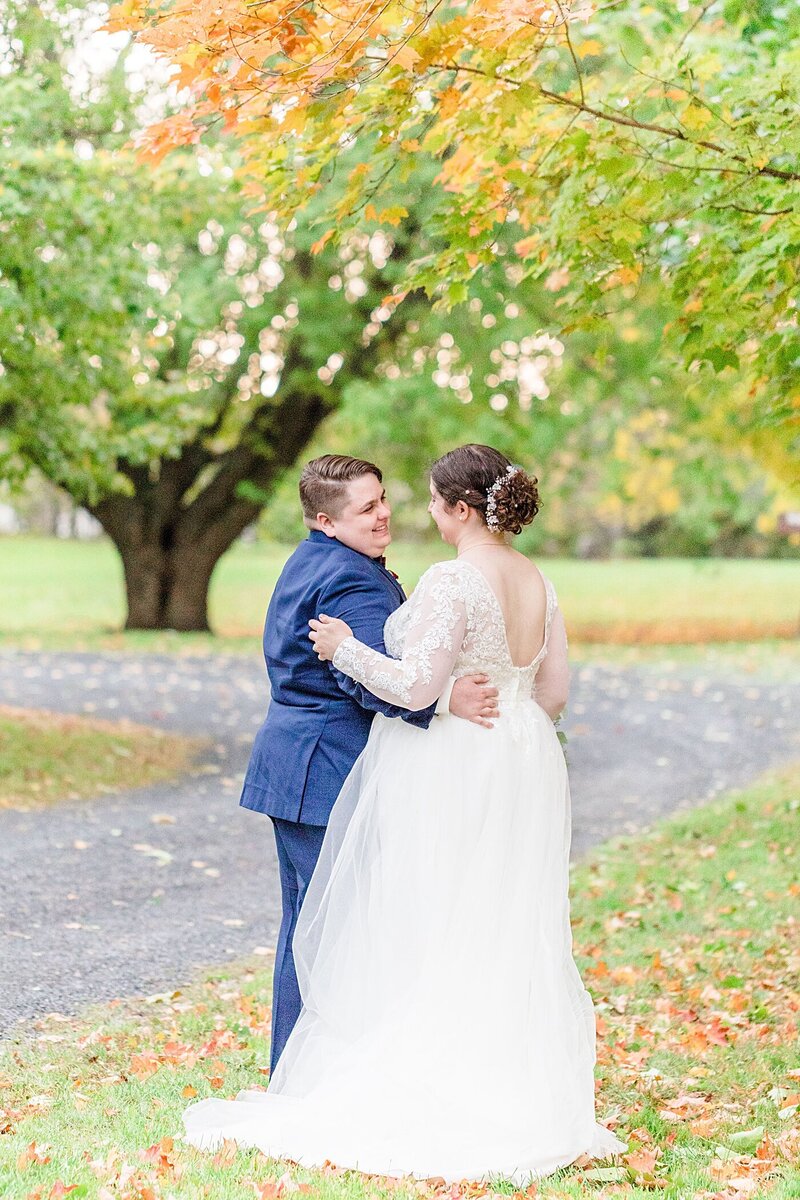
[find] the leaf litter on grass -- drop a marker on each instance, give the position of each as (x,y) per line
(688,939)
(49,757)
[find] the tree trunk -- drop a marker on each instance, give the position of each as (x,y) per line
(187,600)
(166,588)
(167,575)
(169,548)
(145,584)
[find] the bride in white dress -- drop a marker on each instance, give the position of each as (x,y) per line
(445,1030)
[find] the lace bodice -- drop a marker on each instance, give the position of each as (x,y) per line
(452,625)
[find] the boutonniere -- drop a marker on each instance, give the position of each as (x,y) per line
(389,571)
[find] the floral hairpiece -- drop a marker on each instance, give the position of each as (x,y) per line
(491,498)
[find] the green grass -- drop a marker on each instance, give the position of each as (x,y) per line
(687,937)
(46,757)
(55,593)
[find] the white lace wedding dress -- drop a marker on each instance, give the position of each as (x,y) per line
(445,1028)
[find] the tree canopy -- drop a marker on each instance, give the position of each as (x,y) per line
(165,355)
(592,145)
(161,356)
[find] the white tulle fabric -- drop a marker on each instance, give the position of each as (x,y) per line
(445,1029)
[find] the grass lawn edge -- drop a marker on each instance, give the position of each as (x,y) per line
(48,758)
(687,936)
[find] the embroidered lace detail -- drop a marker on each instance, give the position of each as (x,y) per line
(451,625)
(433,632)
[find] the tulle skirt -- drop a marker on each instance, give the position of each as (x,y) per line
(445,1030)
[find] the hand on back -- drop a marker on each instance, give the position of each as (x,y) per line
(327,634)
(474,698)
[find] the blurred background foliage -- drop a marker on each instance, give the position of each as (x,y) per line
(167,357)
(629,461)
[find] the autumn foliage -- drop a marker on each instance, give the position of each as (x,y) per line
(592,145)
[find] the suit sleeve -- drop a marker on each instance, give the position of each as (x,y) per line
(364,607)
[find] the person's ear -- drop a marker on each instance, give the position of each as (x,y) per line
(461,510)
(325,523)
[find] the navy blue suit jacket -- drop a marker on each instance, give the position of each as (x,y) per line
(318,720)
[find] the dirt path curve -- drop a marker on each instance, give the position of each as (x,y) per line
(132,892)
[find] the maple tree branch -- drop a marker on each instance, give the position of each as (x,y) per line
(681,87)
(553,145)
(722,169)
(619,119)
(688,32)
(756,212)
(374,188)
(266,29)
(218,49)
(572,52)
(420,25)
(356,33)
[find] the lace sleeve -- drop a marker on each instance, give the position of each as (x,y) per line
(433,639)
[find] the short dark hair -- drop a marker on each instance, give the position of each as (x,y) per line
(468,472)
(324,480)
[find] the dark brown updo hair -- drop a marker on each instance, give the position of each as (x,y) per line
(468,472)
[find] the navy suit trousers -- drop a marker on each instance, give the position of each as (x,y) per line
(298,847)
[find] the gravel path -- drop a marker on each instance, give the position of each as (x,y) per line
(132,892)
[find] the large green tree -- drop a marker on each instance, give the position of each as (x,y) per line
(161,357)
(165,358)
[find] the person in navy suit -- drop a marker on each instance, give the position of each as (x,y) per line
(318,719)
